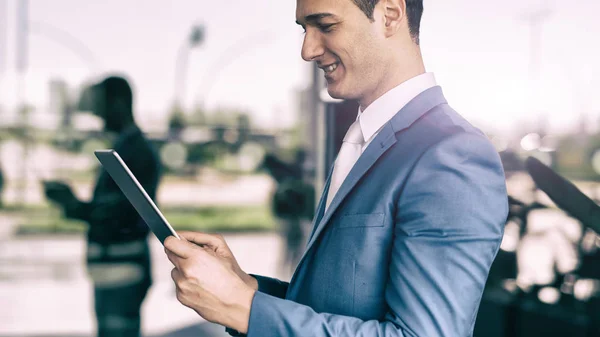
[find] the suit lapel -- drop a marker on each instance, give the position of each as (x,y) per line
(386,138)
(321,206)
(380,144)
(318,215)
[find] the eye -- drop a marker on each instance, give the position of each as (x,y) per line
(326,28)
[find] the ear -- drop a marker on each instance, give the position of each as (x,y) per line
(394,15)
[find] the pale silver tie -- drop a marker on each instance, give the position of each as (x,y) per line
(349,152)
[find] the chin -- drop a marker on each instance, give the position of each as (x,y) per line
(335,94)
(338,92)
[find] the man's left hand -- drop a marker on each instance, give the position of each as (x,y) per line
(207,284)
(61,194)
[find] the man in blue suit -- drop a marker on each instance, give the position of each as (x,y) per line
(411,216)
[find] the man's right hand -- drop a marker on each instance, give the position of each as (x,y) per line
(217,245)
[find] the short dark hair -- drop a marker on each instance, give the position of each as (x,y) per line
(414,11)
(117,87)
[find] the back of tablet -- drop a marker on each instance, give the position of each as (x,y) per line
(135,193)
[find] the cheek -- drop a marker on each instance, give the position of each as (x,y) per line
(372,58)
(362,64)
(361,52)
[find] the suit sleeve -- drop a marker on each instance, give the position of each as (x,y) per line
(267,285)
(448,227)
(271,286)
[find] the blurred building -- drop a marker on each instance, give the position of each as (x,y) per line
(58,97)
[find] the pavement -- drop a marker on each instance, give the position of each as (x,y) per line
(44,290)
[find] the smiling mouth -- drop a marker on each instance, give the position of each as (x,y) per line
(330,68)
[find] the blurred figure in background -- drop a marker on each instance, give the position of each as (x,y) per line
(118,255)
(292,204)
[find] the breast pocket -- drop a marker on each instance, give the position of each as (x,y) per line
(354,254)
(360,220)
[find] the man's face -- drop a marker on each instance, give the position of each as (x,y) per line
(104,109)
(99,104)
(343,42)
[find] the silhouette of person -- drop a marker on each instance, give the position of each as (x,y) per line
(292,204)
(118,256)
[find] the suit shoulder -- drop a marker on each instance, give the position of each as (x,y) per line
(443,131)
(443,122)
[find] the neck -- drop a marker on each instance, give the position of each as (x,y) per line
(127,124)
(122,126)
(401,68)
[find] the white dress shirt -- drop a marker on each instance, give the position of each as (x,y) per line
(374,117)
(371,120)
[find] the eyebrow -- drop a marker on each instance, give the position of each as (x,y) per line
(315,17)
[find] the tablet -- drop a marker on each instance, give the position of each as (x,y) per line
(135,193)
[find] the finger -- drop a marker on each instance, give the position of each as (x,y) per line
(176,276)
(179,279)
(181,248)
(173,258)
(200,238)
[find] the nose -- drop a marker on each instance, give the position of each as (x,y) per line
(312,47)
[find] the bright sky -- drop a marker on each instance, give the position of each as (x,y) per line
(479,51)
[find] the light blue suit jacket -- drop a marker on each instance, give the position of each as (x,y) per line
(407,243)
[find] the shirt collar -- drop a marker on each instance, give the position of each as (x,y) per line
(386,106)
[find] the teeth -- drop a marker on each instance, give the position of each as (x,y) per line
(331,68)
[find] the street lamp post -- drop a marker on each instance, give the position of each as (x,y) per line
(535,20)
(194,39)
(24,29)
(22,53)
(3,36)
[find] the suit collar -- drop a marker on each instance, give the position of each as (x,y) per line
(384,108)
(386,138)
(418,107)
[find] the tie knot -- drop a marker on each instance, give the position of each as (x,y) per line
(354,134)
